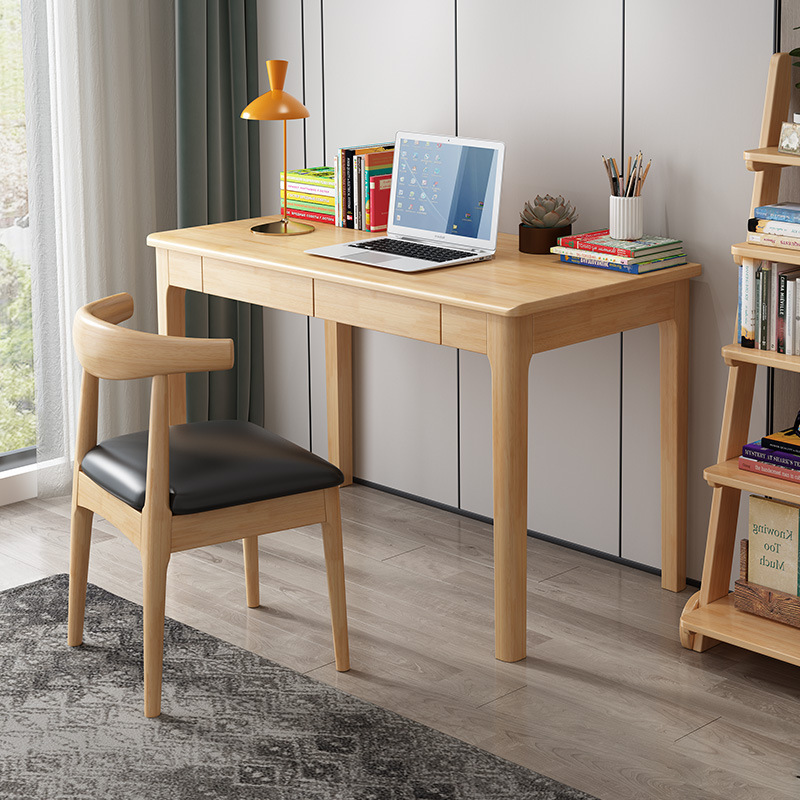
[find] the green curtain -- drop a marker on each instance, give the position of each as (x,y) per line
(218,181)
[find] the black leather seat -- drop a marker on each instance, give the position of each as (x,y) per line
(211,465)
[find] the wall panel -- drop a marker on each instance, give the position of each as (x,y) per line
(693,119)
(281,35)
(543,86)
(396,72)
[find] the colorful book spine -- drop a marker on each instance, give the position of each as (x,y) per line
(773,240)
(380,190)
(785,441)
(773,529)
(614,259)
(772,470)
(310,215)
(748,305)
(772,226)
(301,206)
(791,305)
(303,197)
(778,213)
(310,188)
(321,176)
(757,452)
(632,269)
(601,242)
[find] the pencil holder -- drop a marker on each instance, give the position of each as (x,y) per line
(625,217)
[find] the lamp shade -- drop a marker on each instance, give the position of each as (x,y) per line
(275,104)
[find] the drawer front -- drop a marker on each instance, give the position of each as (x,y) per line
(185,270)
(258,285)
(378,311)
(464,328)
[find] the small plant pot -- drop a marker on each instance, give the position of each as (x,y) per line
(540,240)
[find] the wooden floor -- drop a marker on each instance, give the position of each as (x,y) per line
(607,700)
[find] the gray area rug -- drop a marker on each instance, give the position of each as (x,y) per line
(234,724)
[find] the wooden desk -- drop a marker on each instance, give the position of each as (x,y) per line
(508,308)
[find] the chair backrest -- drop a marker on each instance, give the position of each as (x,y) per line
(107,351)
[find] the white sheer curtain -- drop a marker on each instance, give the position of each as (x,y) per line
(99,104)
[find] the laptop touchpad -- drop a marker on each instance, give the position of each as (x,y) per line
(371,258)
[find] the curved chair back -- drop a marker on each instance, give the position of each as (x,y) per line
(107,351)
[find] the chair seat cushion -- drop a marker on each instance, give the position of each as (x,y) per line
(213,464)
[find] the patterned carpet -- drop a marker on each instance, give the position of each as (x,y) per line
(234,724)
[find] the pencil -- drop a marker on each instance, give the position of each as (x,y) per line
(641,182)
(615,172)
(608,172)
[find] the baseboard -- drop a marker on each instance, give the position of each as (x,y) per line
(627,562)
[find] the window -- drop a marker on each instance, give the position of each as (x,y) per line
(17,411)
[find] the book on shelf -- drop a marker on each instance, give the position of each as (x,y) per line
(773,226)
(769,469)
(631,268)
(767,309)
(303,197)
(773,528)
(779,212)
(773,240)
(785,441)
(601,242)
(747,305)
(757,452)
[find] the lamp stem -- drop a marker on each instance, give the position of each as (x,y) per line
(285,179)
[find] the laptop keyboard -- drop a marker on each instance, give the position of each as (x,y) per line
(412,249)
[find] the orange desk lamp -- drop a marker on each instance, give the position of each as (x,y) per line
(277,104)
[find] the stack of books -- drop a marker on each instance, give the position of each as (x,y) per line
(363,185)
(768,313)
(598,249)
(776,225)
(310,194)
(777,455)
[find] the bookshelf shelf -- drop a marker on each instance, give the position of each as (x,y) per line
(725,623)
(710,616)
(727,473)
(763,252)
(762,158)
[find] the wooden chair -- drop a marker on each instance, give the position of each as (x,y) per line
(175,488)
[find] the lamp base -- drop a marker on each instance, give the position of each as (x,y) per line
(282,227)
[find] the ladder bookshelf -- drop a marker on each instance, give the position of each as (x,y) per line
(710,616)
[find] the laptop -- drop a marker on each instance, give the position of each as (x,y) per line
(443,208)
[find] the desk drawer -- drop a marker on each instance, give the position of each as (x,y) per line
(258,285)
(378,311)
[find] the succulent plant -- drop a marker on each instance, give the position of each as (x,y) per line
(548,212)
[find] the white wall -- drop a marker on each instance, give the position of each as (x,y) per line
(561,84)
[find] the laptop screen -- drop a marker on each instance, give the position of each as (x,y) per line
(446,188)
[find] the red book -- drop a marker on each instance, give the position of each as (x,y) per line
(380,188)
(766,468)
(601,242)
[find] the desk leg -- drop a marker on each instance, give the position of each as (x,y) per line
(674,356)
(509,350)
(172,321)
(339,389)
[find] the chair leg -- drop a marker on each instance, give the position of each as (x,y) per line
(334,567)
(80,541)
(154,596)
(250,547)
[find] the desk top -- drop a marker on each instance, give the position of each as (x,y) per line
(512,284)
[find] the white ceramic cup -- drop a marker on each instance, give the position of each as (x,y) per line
(625,217)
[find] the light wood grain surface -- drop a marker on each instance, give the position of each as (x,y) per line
(513,284)
(608,701)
